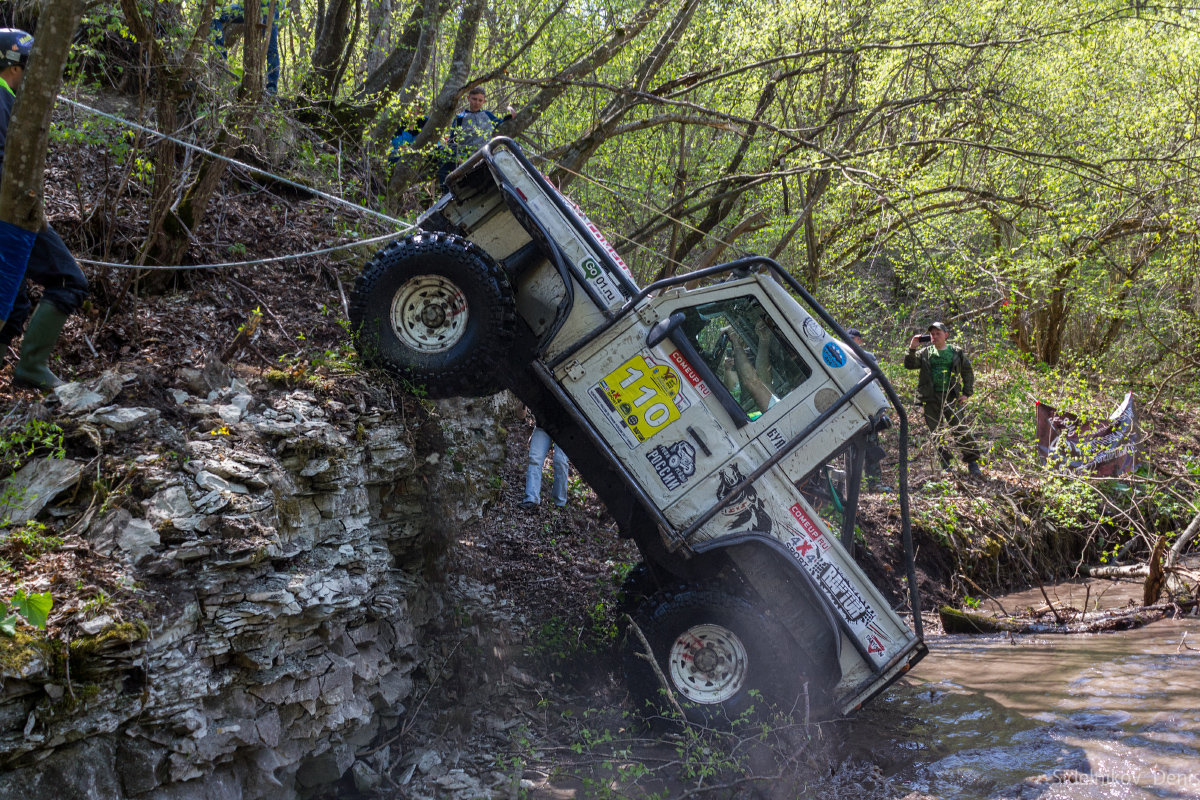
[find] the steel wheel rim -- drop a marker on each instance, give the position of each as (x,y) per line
(429,314)
(708,664)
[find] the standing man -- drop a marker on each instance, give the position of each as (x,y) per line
(64,288)
(470,130)
(540,444)
(944,383)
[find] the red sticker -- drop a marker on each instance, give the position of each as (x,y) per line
(689,372)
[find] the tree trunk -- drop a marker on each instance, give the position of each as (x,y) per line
(379,18)
(955,621)
(331,40)
(21,190)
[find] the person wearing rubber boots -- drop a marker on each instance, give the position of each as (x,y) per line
(51,265)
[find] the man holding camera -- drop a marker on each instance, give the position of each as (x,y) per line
(944,383)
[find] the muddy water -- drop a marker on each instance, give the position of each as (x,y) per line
(1080,716)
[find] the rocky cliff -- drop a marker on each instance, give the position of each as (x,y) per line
(275,547)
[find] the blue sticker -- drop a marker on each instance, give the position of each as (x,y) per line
(833,355)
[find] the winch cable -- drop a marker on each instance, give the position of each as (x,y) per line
(405,227)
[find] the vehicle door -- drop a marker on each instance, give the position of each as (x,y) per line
(691,394)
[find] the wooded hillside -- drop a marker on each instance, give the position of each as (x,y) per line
(1025,170)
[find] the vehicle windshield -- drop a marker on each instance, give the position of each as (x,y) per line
(750,356)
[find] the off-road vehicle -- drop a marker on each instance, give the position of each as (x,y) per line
(697,408)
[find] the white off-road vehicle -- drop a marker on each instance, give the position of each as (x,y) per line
(697,408)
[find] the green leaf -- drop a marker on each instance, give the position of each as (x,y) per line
(8,625)
(35,608)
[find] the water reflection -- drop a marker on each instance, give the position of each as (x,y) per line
(1096,716)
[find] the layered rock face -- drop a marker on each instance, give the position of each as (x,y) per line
(283,550)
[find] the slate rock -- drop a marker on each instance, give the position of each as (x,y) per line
(122,419)
(36,484)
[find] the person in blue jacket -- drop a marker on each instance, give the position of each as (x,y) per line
(51,265)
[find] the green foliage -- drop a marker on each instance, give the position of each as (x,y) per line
(565,640)
(36,436)
(30,540)
(32,608)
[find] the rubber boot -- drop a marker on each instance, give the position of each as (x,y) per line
(40,337)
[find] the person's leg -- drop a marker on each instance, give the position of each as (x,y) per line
(562,469)
(64,290)
(539,445)
(957,421)
(933,420)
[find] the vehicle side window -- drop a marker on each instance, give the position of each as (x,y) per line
(748,353)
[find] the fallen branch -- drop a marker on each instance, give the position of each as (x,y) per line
(955,621)
(648,655)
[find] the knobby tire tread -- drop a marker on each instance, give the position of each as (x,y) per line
(477,369)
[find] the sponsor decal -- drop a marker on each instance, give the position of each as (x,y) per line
(598,280)
(674,463)
(841,592)
(837,587)
(850,604)
(832,355)
(812,329)
(641,398)
(810,529)
(689,373)
(800,545)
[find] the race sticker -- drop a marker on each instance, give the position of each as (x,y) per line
(836,586)
(600,238)
(833,355)
(810,549)
(876,638)
(640,398)
(689,372)
(812,329)
(674,463)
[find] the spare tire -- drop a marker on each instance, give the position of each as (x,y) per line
(437,312)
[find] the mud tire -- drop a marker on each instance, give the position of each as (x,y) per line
(752,653)
(435,311)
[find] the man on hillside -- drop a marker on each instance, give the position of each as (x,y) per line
(470,130)
(944,383)
(64,288)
